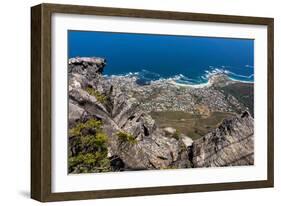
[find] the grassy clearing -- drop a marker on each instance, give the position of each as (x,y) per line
(194,126)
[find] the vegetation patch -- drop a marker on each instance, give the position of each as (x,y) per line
(243,92)
(100,97)
(90,124)
(126,137)
(176,135)
(89,162)
(88,151)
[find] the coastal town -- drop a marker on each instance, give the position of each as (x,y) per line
(166,95)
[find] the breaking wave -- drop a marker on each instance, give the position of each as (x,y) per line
(147,77)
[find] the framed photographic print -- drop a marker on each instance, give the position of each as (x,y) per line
(132,102)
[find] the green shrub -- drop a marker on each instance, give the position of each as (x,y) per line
(176,135)
(126,137)
(100,139)
(91,149)
(87,158)
(100,97)
(90,162)
(93,160)
(97,140)
(91,123)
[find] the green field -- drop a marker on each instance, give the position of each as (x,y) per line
(192,125)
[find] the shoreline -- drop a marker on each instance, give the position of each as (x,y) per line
(209,83)
(241,81)
(172,81)
(199,85)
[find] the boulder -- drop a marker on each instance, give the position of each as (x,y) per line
(75,113)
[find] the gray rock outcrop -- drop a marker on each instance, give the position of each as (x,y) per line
(231,144)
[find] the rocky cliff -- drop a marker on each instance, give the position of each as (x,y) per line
(232,143)
(110,129)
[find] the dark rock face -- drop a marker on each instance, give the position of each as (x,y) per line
(134,140)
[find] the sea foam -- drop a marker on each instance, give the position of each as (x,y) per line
(147,77)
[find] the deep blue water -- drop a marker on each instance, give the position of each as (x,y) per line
(188,59)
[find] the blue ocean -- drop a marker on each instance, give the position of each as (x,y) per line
(186,59)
